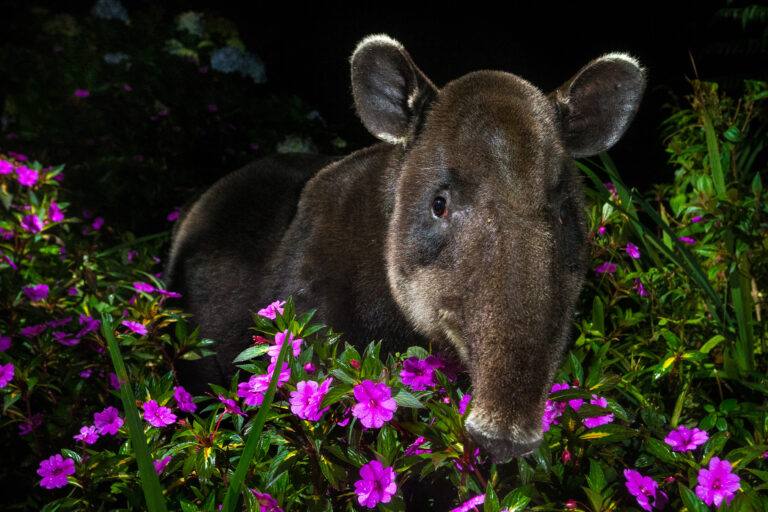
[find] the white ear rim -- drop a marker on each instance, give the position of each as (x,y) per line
(377,39)
(624,57)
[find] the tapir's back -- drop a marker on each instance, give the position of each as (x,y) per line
(222,243)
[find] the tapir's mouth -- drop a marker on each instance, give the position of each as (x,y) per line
(501,447)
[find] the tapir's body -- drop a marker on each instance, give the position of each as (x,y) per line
(465,227)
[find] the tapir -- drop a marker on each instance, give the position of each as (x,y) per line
(464,227)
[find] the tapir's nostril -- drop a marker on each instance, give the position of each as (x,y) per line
(503,448)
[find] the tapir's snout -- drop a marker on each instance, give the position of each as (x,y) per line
(502,444)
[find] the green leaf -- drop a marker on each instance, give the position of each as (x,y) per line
(596,477)
(606,434)
(404,399)
(517,499)
(252,353)
(692,502)
(595,498)
(335,394)
(711,343)
(491,503)
(416,351)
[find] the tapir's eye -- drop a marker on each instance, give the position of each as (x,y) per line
(563,214)
(439,207)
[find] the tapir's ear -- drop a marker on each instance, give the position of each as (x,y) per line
(390,91)
(598,103)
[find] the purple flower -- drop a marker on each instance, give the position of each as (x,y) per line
(417,373)
(30,424)
(683,439)
(551,413)
(601,230)
(470,504)
(6,374)
(160,464)
(266,502)
(464,403)
(272,310)
(114,381)
(696,219)
(375,405)
(309,367)
(26,176)
(32,223)
(55,471)
(90,324)
(253,390)
(87,373)
(305,401)
(606,268)
(599,420)
(136,327)
(166,292)
(65,339)
(31,331)
(414,448)
(639,287)
(54,213)
(687,239)
(213,108)
(230,406)
(157,415)
(377,484)
(612,189)
(72,291)
(184,399)
(36,293)
(633,251)
(645,490)
(107,421)
(5,343)
(97,223)
(274,350)
(717,482)
(88,435)
(144,287)
(173,215)
(6,167)
(82,93)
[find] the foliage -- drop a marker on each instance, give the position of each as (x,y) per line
(142,106)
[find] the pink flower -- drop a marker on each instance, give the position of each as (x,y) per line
(65,339)
(717,483)
(687,239)
(606,268)
(683,439)
(55,471)
(253,390)
(612,189)
(88,435)
(377,484)
(375,405)
(305,401)
(82,93)
(309,367)
(174,214)
(6,374)
(184,399)
(107,421)
(157,415)
(417,373)
(551,413)
(464,403)
(54,213)
(136,327)
(6,167)
(160,464)
(696,219)
(645,490)
(31,331)
(97,223)
(230,406)
(470,504)
(639,287)
(32,223)
(633,251)
(144,287)
(601,230)
(272,310)
(266,502)
(599,420)
(274,350)
(30,424)
(414,448)
(26,176)
(36,293)
(114,381)
(5,343)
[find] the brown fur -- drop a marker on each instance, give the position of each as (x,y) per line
(497,276)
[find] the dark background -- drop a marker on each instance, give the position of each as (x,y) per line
(306,46)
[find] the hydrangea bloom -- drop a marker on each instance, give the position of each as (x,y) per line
(684,439)
(717,482)
(26,176)
(417,373)
(36,293)
(274,350)
(184,399)
(6,374)
(32,223)
(375,405)
(377,484)
(157,415)
(107,421)
(305,401)
(55,470)
(633,251)
(272,310)
(136,327)
(599,420)
(88,434)
(645,490)
(160,464)
(606,268)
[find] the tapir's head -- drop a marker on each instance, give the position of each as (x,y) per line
(486,247)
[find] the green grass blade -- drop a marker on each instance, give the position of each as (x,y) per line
(150,483)
(249,451)
(714,158)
